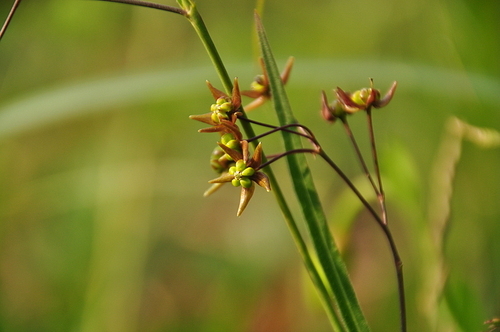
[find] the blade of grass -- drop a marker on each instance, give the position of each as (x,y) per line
(336,276)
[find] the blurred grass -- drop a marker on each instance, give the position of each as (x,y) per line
(103,224)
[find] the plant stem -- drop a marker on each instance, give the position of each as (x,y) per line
(398,264)
(380,193)
(358,153)
(150,5)
(9,17)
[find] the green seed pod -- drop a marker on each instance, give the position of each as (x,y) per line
(246,182)
(240,165)
(249,171)
(234,144)
(215,117)
(226,138)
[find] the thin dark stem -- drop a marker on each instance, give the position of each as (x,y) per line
(309,134)
(286,153)
(9,17)
(398,264)
(349,183)
(150,5)
(380,194)
(360,156)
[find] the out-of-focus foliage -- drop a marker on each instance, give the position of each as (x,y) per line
(103,223)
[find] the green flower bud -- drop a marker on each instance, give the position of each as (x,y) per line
(246,182)
(236,182)
(249,171)
(234,144)
(232,170)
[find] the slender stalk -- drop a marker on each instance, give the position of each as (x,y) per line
(199,26)
(150,5)
(383,222)
(396,258)
(275,129)
(9,17)
(360,156)
(380,193)
(398,264)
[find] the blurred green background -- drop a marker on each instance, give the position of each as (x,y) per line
(103,223)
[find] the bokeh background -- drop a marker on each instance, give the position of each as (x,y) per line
(103,223)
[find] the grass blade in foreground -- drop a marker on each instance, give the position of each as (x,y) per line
(336,276)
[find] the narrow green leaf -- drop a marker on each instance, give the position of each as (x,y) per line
(336,276)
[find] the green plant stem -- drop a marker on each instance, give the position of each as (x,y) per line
(325,296)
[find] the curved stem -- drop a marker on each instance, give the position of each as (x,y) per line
(283,128)
(286,153)
(360,156)
(398,264)
(150,5)
(380,193)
